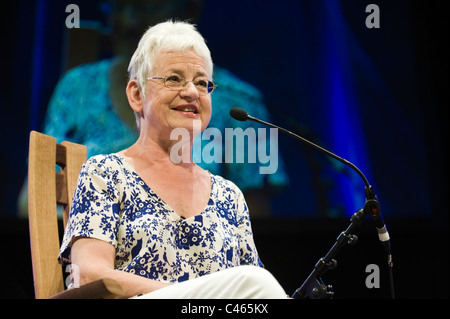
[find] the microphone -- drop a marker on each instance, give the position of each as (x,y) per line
(371,207)
(239,114)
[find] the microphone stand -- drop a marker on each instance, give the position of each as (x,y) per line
(313,287)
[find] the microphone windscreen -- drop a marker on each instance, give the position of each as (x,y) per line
(238,114)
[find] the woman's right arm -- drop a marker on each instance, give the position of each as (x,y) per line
(94,259)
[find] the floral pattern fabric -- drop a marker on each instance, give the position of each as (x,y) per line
(112,203)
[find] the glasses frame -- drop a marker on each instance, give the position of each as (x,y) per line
(211,84)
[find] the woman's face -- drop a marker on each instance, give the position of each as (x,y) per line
(165,109)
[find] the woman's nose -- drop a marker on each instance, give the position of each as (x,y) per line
(190,90)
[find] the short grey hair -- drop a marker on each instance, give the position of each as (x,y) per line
(166,36)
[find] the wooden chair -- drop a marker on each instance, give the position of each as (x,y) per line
(48,188)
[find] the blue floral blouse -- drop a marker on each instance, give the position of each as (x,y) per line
(112,203)
(80,111)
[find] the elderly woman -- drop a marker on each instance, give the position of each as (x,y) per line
(158,227)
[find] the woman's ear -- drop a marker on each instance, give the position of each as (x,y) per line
(134,96)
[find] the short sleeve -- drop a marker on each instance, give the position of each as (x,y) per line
(95,207)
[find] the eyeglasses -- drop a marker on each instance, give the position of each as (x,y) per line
(177,82)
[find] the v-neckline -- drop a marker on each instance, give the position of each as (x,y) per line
(149,190)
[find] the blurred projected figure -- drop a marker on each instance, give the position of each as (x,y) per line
(89,105)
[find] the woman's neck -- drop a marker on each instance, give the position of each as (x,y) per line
(161,151)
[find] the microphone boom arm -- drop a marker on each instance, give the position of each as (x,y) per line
(369,191)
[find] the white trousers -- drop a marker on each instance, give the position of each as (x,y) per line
(242,282)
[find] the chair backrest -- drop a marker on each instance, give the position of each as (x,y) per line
(48,188)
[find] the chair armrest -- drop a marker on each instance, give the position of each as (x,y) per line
(105,288)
